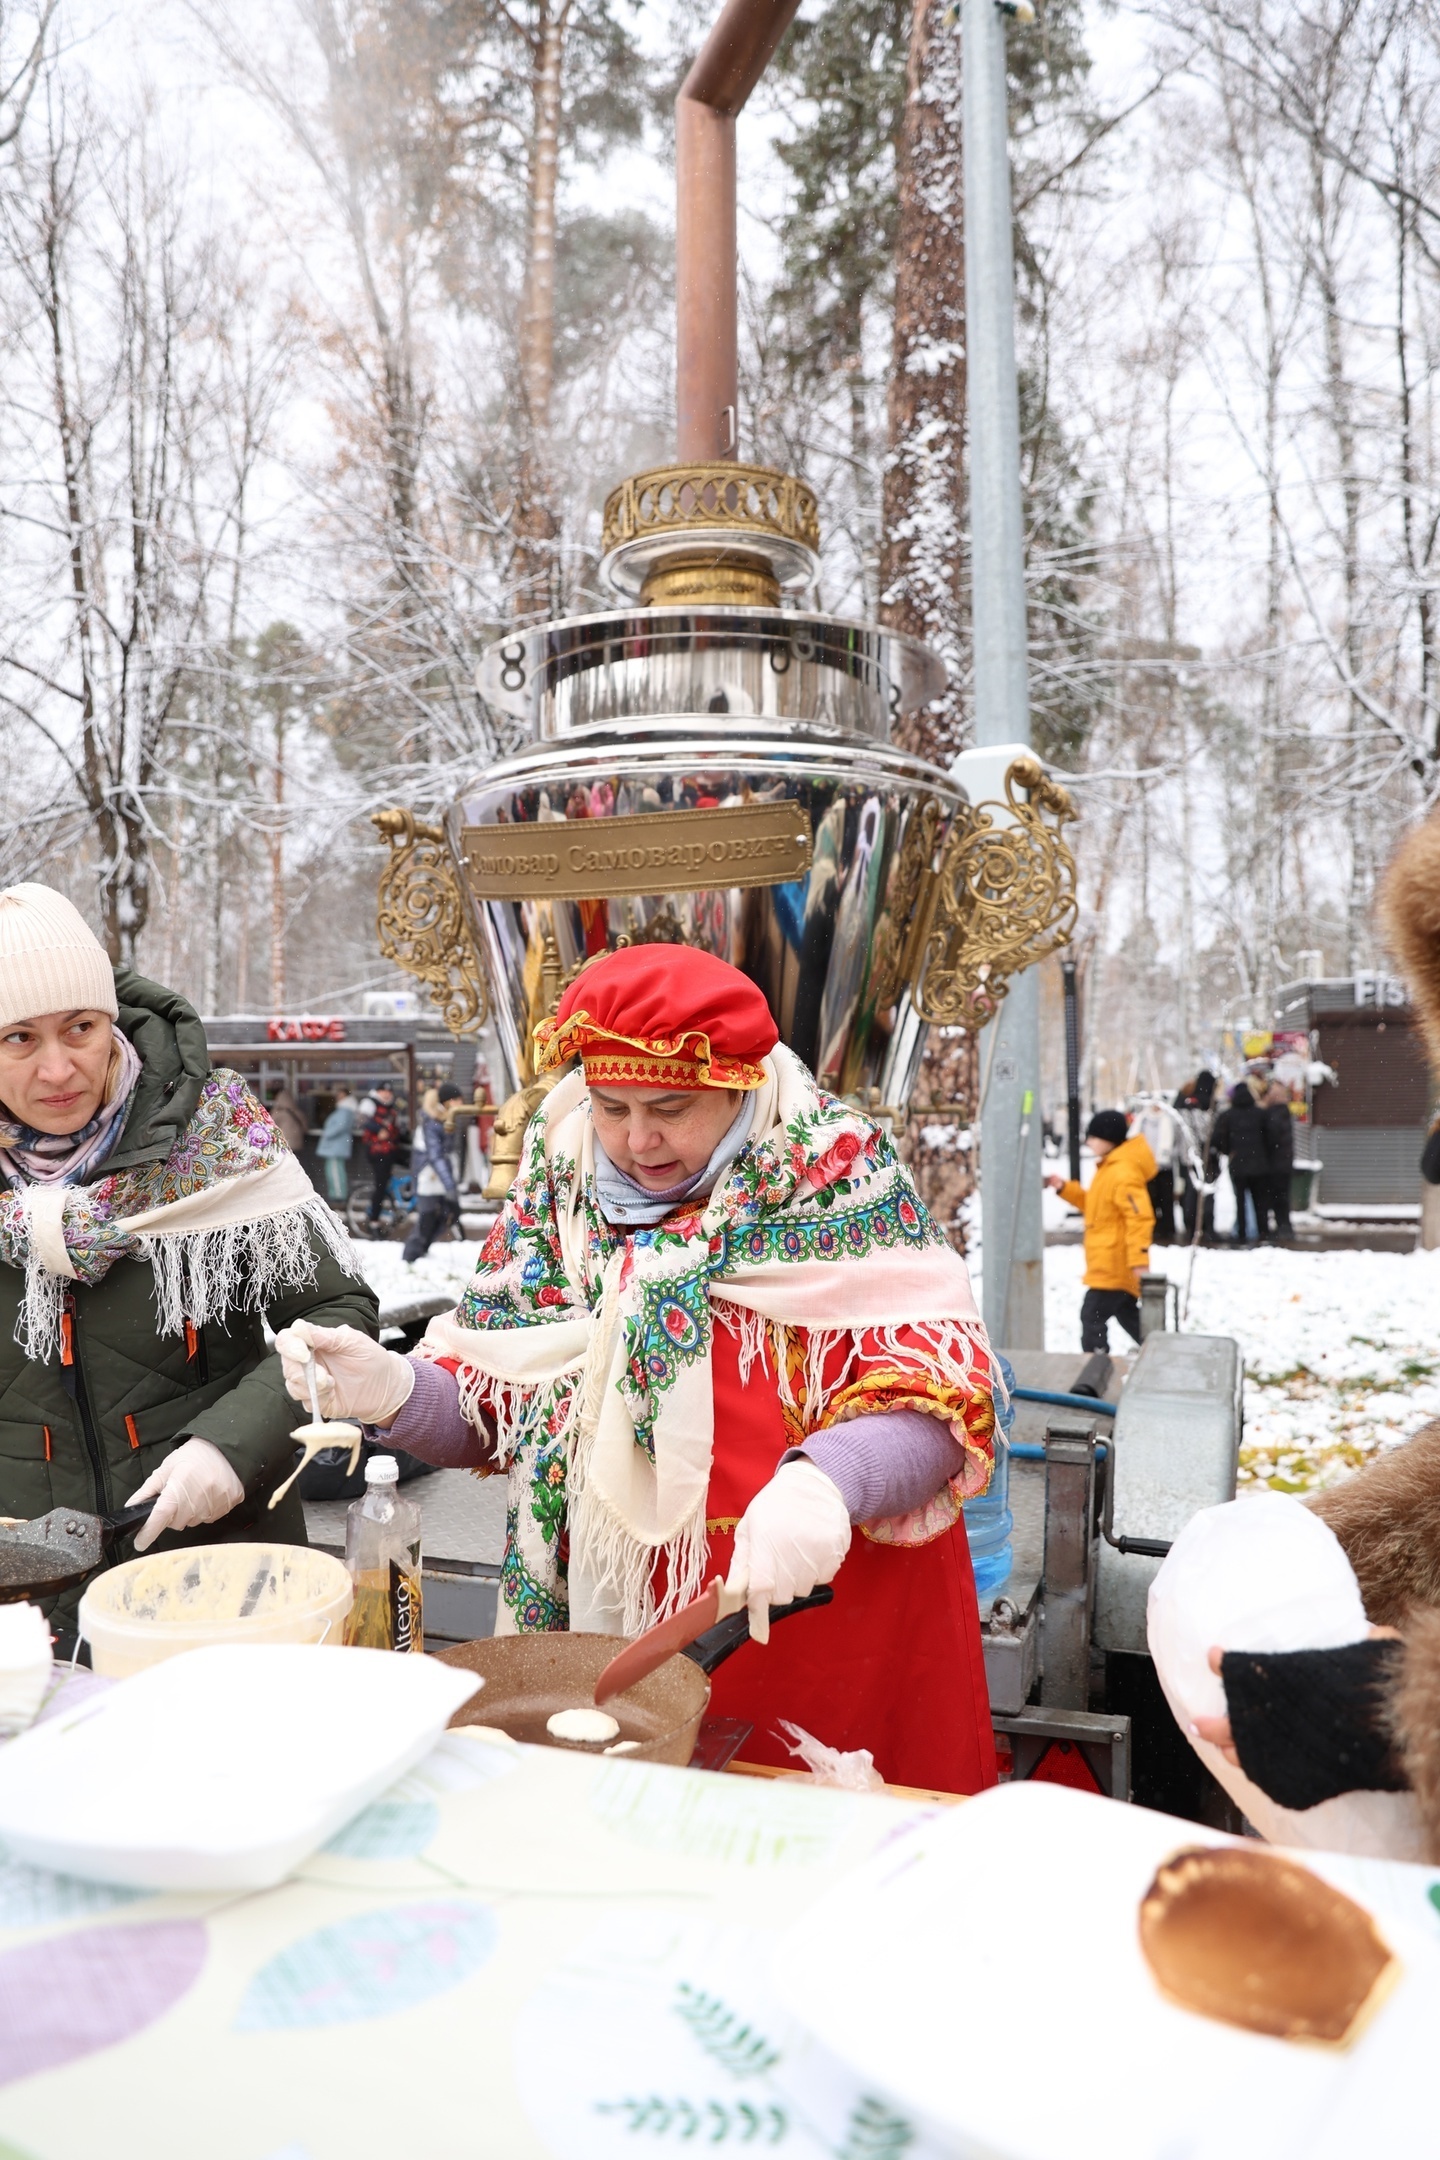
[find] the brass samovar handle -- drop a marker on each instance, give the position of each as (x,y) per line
(507,1134)
(1002,899)
(421,920)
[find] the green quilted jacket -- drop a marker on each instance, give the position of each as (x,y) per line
(85,1435)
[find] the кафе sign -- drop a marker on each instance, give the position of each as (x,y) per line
(665,851)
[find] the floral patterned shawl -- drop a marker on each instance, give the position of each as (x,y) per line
(225,1221)
(589,1351)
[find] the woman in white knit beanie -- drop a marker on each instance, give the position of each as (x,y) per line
(65,1070)
(149,1214)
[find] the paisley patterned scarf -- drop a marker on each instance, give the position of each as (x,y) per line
(590,1350)
(225,1221)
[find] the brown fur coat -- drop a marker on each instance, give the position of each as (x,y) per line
(1389,1521)
(1410,918)
(1387,1516)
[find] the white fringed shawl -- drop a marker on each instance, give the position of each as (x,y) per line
(592,1358)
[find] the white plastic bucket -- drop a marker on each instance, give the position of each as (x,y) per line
(162,1603)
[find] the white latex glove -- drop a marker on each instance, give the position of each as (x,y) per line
(193,1485)
(794,1534)
(354,1377)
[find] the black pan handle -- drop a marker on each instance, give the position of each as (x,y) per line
(719,1642)
(125,1518)
(122,1519)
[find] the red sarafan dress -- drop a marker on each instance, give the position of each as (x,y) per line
(895,1664)
(806,1287)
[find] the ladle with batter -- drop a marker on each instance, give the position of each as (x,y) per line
(319,1433)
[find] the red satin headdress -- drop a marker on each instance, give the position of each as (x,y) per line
(661,1016)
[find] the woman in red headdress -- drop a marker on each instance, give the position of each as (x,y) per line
(715,1332)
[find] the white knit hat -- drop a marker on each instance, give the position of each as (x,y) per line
(50,959)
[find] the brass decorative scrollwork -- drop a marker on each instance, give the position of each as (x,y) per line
(421,920)
(1004,899)
(731,497)
(712,535)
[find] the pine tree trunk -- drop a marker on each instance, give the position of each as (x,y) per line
(922,578)
(275,841)
(943,1171)
(242,939)
(536,527)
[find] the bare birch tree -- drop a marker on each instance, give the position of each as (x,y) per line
(124,515)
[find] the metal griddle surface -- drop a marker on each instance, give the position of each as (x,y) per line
(34,1571)
(43,1557)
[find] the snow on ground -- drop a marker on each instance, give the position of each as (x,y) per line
(444,1267)
(1341,1349)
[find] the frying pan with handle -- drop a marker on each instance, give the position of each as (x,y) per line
(725,1638)
(529,1677)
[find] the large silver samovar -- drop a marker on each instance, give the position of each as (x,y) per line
(710,762)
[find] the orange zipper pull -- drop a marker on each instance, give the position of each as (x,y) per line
(192,1340)
(67,1333)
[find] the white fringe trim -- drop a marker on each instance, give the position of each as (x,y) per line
(516,1409)
(941,1349)
(753,1329)
(623,1567)
(37,1325)
(618,1565)
(202,1274)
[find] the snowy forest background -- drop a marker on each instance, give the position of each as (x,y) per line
(326,326)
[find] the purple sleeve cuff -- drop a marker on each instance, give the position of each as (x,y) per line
(430,1426)
(885,1464)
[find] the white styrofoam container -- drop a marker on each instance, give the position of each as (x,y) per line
(978,1969)
(222,1768)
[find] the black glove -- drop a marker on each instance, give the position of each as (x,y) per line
(1430,1159)
(1310,1724)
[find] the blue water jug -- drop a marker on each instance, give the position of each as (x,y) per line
(988,1520)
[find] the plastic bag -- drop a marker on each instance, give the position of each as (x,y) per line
(1262,1573)
(854,1772)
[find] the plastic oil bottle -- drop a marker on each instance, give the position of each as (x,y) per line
(382,1552)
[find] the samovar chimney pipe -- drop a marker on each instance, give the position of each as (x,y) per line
(707,365)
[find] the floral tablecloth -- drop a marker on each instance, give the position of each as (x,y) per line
(513,1952)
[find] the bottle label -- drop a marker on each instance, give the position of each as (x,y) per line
(387,1611)
(406,1628)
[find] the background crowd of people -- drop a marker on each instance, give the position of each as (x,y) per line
(368,1153)
(1248,1129)
(1163,1153)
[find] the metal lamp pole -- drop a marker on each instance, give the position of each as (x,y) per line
(1072,1063)
(1014,1290)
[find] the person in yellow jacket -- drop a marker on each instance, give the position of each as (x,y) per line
(1118,1221)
